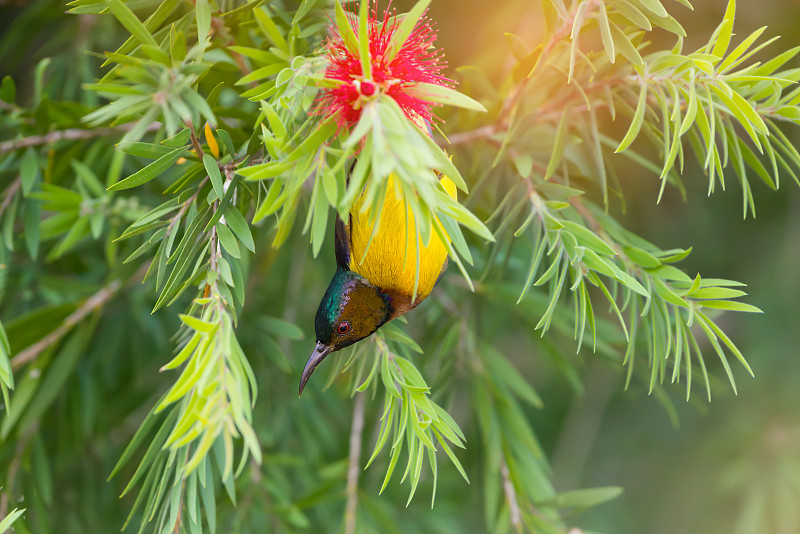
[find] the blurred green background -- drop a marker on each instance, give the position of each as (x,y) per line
(725,467)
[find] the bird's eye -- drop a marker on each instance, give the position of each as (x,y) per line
(343,327)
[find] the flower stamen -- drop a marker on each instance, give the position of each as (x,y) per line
(415,61)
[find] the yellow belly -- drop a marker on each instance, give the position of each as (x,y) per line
(391,259)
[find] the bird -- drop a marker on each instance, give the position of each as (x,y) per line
(376,275)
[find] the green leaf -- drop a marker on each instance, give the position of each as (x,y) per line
(196,324)
(636,123)
(363,40)
(588,239)
(509,378)
(281,328)
(60,370)
(131,22)
(149,172)
(345,29)
(729,305)
(517,46)
(584,498)
(558,144)
(241,229)
(444,95)
(655,7)
(145,150)
(605,34)
(641,257)
(212,168)
(632,13)
(449,452)
(741,109)
(722,36)
(668,272)
(406,26)
(274,33)
(8,520)
(203,15)
(29,170)
(8,91)
(624,46)
(228,240)
(32,226)
(716,293)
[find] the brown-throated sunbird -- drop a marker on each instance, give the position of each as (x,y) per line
(367,293)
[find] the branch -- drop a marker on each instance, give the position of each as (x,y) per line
(92,303)
(216,253)
(353,468)
(195,142)
(511,497)
(71,134)
(9,193)
(470,135)
(96,301)
(503,118)
(559,35)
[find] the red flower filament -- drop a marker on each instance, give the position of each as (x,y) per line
(417,61)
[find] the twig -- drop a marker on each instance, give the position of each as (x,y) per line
(354,467)
(470,135)
(96,301)
(71,134)
(557,37)
(511,497)
(586,214)
(177,529)
(215,252)
(503,118)
(195,142)
(5,105)
(9,193)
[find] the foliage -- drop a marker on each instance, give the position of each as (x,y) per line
(174,194)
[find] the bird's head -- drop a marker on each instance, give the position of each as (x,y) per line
(351,310)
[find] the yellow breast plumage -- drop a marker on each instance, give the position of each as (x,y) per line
(390,262)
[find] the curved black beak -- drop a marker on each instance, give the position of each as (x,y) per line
(320,351)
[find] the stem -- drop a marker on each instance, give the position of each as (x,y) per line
(511,497)
(195,142)
(92,303)
(470,135)
(178,518)
(509,106)
(214,249)
(95,302)
(354,462)
(559,35)
(9,193)
(71,134)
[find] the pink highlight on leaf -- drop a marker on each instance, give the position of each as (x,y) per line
(417,61)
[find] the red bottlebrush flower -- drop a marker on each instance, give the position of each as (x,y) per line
(417,61)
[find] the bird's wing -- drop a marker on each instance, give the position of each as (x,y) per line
(342,243)
(341,235)
(441,273)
